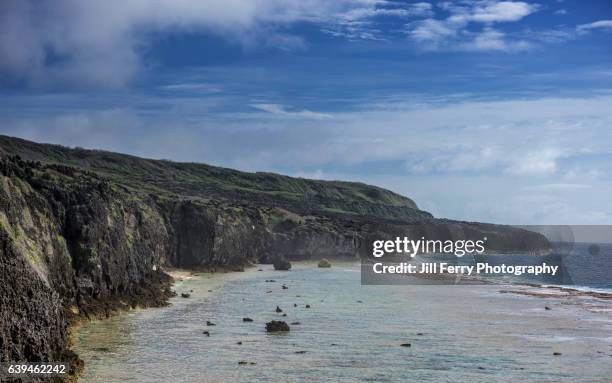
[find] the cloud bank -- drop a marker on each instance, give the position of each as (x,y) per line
(72,43)
(102,43)
(517,146)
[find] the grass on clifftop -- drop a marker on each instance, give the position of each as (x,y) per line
(192,180)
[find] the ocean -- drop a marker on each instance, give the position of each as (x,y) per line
(352,332)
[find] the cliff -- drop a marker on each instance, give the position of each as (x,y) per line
(87,233)
(200,181)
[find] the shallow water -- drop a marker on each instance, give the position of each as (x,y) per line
(457,334)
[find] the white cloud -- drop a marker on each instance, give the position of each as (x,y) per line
(560,12)
(419,9)
(432,31)
(555,187)
(493,40)
(546,137)
(538,162)
(481,160)
(504,11)
(280,110)
(454,33)
(601,24)
(192,87)
(562,34)
(100,43)
(360,23)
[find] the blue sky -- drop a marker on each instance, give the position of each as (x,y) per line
(483,110)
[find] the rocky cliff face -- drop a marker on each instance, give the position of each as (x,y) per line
(70,245)
(76,244)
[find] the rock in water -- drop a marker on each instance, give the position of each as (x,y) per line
(209,323)
(405,345)
(278,309)
(185,295)
(277,326)
(281,264)
(247,319)
(324,263)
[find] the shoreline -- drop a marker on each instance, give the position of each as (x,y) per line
(178,276)
(332,296)
(159,291)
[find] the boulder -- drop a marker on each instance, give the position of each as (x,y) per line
(324,263)
(247,319)
(185,295)
(277,326)
(281,264)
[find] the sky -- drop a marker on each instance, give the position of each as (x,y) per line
(480,110)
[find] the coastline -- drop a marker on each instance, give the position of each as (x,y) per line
(166,288)
(334,295)
(179,276)
(158,293)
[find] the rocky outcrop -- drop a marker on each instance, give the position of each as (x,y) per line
(280,263)
(70,246)
(277,326)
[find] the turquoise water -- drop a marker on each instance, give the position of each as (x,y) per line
(351,333)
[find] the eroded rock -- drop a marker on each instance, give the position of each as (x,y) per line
(277,326)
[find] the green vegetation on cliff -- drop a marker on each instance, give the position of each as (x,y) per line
(191,180)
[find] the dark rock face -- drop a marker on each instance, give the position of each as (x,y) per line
(277,326)
(71,248)
(33,328)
